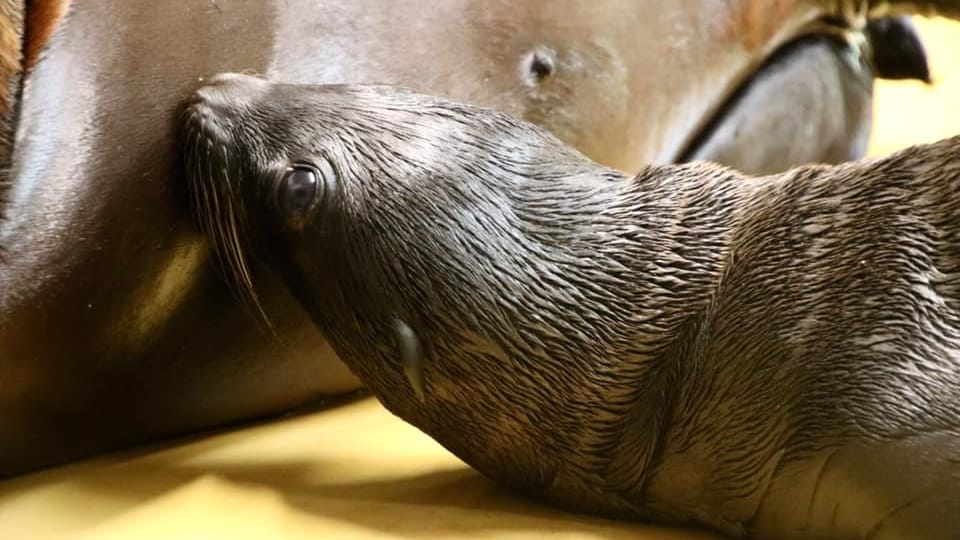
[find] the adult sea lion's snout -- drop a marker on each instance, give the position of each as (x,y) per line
(688,344)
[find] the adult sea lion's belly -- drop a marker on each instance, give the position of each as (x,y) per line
(114,325)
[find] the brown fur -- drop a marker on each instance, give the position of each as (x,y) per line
(11,47)
(754,22)
(11,67)
(43,17)
(881,8)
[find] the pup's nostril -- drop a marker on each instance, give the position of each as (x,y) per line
(206,116)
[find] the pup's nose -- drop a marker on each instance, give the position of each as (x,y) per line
(212,107)
(239,80)
(229,89)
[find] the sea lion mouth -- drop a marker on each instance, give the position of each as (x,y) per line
(213,178)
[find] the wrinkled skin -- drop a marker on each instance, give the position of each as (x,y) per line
(775,357)
(115,327)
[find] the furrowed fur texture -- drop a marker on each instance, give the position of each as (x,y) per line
(687,344)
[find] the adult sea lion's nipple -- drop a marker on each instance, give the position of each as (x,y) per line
(411,357)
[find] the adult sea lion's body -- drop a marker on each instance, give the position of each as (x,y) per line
(115,330)
(773,356)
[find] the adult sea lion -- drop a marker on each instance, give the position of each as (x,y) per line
(774,357)
(114,326)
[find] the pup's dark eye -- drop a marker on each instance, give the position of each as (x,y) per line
(298,190)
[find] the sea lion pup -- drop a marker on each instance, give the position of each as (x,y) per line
(773,357)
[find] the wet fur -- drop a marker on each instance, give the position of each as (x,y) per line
(667,346)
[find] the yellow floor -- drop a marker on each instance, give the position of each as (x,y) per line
(353,472)
(908,112)
(356,472)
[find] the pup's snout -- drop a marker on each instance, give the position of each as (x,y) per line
(228,90)
(234,83)
(212,106)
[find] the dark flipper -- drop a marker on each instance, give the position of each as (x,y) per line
(898,51)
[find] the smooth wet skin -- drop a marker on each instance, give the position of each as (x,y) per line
(774,357)
(115,326)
